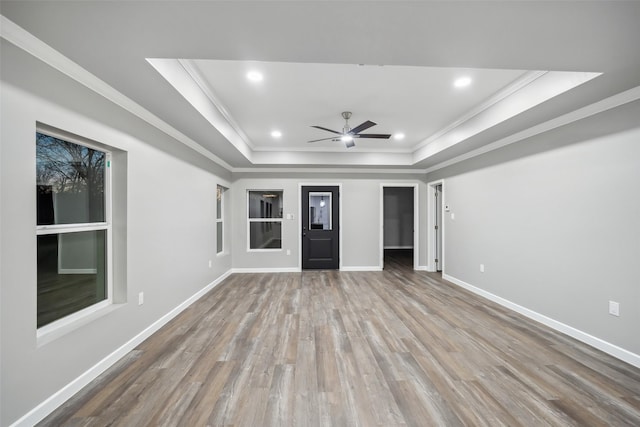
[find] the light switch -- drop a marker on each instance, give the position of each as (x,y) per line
(614,308)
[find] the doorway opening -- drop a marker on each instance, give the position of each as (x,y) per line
(435,224)
(399,227)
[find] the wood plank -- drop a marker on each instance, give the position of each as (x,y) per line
(390,348)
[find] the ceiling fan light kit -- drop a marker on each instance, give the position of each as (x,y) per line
(348,134)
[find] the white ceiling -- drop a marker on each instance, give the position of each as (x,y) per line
(185,64)
(417,101)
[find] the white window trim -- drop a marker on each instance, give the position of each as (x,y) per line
(72,321)
(250,220)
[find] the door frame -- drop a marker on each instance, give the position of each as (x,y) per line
(432,237)
(416,222)
(299,198)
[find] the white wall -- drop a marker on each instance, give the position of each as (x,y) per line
(164,226)
(360,200)
(556,222)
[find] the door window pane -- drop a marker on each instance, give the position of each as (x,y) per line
(320,211)
(70,182)
(71,273)
(265,235)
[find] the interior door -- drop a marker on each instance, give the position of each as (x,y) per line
(320,227)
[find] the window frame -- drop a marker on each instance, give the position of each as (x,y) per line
(220,191)
(262,220)
(41,230)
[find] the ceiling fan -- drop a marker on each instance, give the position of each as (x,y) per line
(348,134)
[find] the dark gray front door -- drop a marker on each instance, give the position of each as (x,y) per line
(320,228)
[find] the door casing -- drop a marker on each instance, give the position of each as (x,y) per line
(431,223)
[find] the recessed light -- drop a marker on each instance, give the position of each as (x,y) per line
(276,134)
(398,136)
(462,82)
(255,76)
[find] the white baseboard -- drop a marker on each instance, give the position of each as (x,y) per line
(612,349)
(421,268)
(298,270)
(38,413)
(77,271)
(361,268)
(266,270)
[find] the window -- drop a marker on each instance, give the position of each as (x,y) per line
(265,219)
(73,227)
(320,211)
(220,219)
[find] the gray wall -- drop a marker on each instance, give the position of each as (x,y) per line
(360,199)
(556,222)
(164,228)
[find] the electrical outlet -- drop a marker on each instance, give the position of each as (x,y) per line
(210,264)
(141,298)
(288,251)
(481,268)
(614,308)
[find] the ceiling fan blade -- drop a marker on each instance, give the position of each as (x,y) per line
(373,135)
(363,126)
(322,139)
(328,130)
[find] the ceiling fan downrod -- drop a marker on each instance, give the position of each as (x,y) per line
(346,115)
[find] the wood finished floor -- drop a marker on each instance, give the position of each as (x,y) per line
(326,348)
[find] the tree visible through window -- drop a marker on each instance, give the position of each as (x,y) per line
(71,227)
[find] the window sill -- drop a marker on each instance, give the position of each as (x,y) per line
(62,327)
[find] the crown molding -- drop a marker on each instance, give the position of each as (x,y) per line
(539,88)
(330,170)
(507,91)
(609,103)
(341,149)
(24,40)
(34,46)
(199,80)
